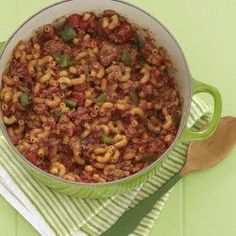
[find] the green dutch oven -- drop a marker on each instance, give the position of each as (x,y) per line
(186,85)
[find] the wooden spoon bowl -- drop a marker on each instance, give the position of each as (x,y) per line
(204,154)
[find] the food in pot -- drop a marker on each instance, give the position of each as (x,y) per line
(91,100)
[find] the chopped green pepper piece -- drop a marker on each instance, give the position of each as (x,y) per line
(134,97)
(72,62)
(141,42)
(106,139)
(67,34)
(176,118)
(150,158)
(64,60)
(71,104)
(24,99)
(101,98)
(126,59)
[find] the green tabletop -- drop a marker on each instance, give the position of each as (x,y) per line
(203,203)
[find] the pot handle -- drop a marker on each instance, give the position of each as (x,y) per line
(191,135)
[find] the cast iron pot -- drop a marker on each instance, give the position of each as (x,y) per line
(186,85)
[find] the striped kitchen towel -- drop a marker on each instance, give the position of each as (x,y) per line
(52,213)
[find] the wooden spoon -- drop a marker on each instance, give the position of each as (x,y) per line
(200,156)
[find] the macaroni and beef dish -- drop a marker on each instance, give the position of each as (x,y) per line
(90,98)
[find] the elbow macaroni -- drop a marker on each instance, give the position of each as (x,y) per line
(126,75)
(146,76)
(114,22)
(120,141)
(58,169)
(168,122)
(21,127)
(6,94)
(153,128)
(52,103)
(45,78)
(9,120)
(86,132)
(107,155)
(10,81)
(72,81)
(98,70)
(78,81)
(16,96)
(137,111)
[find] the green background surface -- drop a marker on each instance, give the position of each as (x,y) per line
(203,204)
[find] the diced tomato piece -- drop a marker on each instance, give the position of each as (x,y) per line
(79,88)
(94,22)
(84,24)
(53,125)
(120,34)
(54,90)
(156,146)
(124,32)
(52,142)
(32,158)
(44,166)
(155,72)
(82,117)
(79,97)
(41,108)
(74,20)
(86,177)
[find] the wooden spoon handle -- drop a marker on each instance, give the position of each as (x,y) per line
(129,221)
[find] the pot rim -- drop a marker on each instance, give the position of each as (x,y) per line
(133,176)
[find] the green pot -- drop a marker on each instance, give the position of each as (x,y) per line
(186,85)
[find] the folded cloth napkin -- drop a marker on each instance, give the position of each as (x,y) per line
(52,213)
